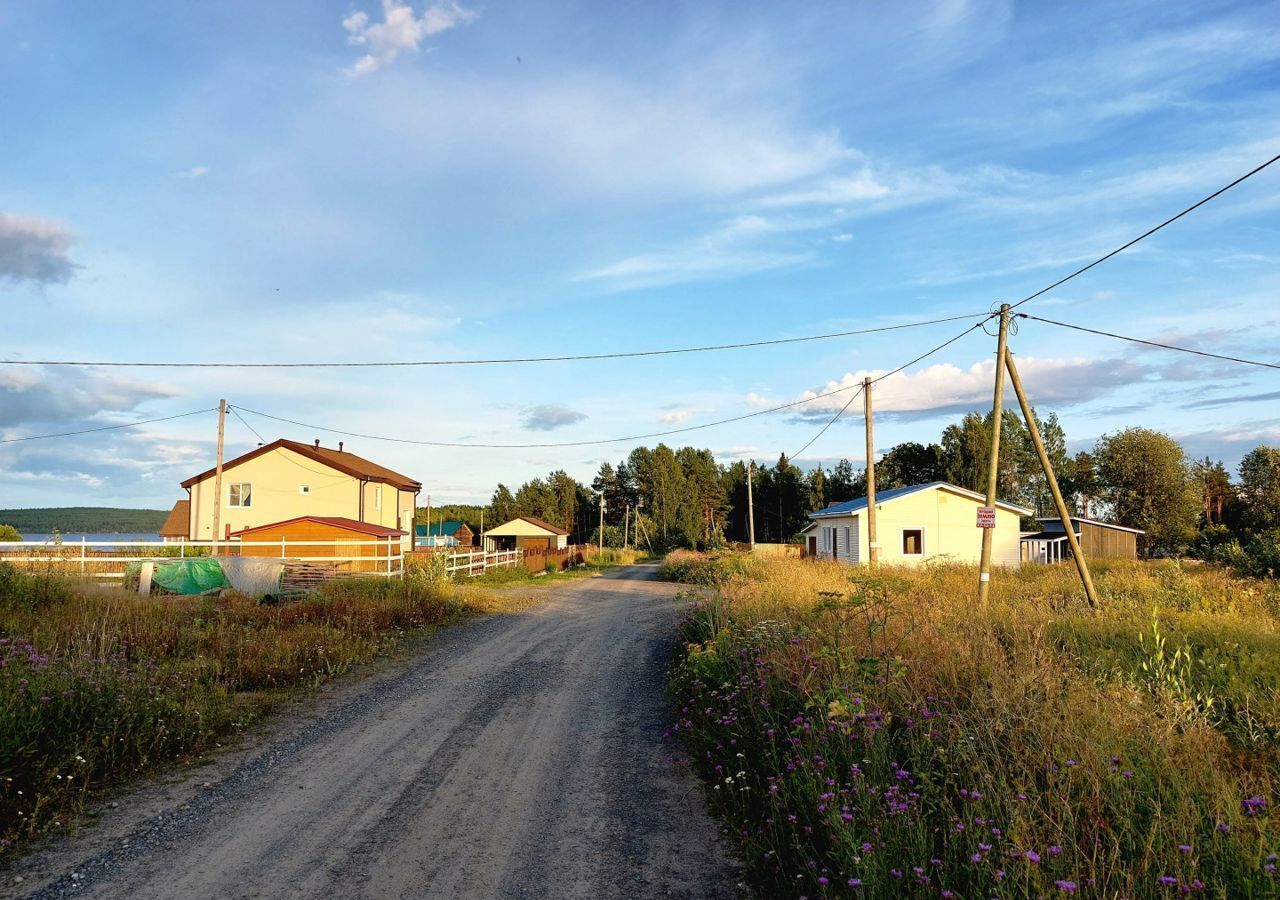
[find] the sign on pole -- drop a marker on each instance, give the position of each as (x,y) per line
(986,517)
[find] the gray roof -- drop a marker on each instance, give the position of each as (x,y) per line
(851,507)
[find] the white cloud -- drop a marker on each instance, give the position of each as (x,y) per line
(194,172)
(399,31)
(34,394)
(35,249)
(680,412)
(946,387)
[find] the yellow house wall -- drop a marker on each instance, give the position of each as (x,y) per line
(950,531)
(276,478)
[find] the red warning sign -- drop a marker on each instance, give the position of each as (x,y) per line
(986,517)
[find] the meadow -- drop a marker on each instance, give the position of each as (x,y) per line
(880,734)
(98,684)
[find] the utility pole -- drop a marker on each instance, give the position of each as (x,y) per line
(217,476)
(751,508)
(602,521)
(1063,513)
(873,545)
(626,525)
(993,460)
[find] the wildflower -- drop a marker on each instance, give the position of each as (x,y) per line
(1224,827)
(1253,805)
(1032,856)
(1066,886)
(1055,850)
(1168,880)
(1184,848)
(856,882)
(1126,774)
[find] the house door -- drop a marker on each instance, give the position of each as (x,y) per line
(813,545)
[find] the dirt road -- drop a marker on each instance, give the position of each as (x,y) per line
(519,756)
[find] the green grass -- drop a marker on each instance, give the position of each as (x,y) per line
(884,728)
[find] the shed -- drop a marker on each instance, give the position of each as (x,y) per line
(1098,540)
(330,539)
(526,532)
(915,524)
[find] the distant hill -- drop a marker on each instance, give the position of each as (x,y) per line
(91,519)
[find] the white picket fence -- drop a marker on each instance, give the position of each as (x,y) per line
(477,562)
(109,559)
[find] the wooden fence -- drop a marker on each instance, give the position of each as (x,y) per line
(774,551)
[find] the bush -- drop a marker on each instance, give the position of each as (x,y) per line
(689,567)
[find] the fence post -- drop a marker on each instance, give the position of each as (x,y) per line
(83,538)
(388,556)
(282,546)
(182,549)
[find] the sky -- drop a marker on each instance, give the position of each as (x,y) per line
(386,181)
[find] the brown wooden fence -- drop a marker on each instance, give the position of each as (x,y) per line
(536,559)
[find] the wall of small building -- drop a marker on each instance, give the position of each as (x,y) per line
(1099,542)
(295,534)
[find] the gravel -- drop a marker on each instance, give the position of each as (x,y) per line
(518,756)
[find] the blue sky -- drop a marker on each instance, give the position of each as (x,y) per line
(385,181)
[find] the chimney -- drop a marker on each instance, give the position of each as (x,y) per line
(339,446)
(317,443)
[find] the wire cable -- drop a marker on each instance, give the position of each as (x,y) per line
(1135,340)
(41,437)
(491,362)
(246,424)
(880,378)
(1146,234)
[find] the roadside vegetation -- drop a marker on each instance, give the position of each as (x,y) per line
(98,684)
(881,735)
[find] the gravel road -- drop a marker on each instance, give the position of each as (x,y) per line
(517,756)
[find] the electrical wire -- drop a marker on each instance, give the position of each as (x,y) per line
(1135,340)
(615,440)
(492,362)
(1146,234)
(880,378)
(246,424)
(40,437)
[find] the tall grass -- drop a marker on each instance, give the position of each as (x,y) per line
(883,736)
(98,683)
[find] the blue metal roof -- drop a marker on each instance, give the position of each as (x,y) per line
(438,529)
(850,507)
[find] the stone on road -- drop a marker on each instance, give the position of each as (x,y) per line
(519,756)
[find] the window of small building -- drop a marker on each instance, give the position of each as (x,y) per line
(304,489)
(241,494)
(913,542)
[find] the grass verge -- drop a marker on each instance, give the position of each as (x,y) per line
(880,735)
(98,684)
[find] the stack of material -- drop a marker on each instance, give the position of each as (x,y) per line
(253,576)
(304,576)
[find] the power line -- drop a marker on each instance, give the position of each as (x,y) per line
(1146,234)
(40,437)
(1134,340)
(490,362)
(247,425)
(880,378)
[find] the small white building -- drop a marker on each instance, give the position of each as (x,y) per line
(935,521)
(526,532)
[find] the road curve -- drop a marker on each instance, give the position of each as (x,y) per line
(519,756)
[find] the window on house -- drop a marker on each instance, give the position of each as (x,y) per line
(377,497)
(913,542)
(304,489)
(241,494)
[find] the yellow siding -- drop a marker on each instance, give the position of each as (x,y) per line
(277,478)
(950,530)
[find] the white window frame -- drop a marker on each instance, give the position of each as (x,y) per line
(377,497)
(902,538)
(304,489)
(236,494)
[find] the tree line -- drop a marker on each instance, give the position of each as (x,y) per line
(1137,477)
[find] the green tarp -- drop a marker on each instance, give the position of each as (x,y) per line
(184,576)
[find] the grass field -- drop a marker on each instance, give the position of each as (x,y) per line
(97,683)
(882,735)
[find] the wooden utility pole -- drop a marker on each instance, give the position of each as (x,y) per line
(993,459)
(626,525)
(602,521)
(751,508)
(873,545)
(217,476)
(1063,513)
